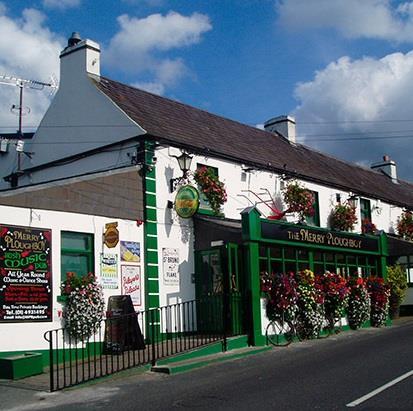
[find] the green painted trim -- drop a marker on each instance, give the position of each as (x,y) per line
(205,211)
(150,199)
(203,361)
(253,292)
(152,272)
(150,186)
(153,300)
(151,228)
(153,287)
(151,243)
(151,214)
(152,257)
(15,367)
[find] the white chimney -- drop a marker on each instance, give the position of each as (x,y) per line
(78,58)
(284,125)
(387,167)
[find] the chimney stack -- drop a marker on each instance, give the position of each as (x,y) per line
(284,125)
(79,58)
(387,167)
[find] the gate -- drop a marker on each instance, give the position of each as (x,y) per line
(131,340)
(219,284)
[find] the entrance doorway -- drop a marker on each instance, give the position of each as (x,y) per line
(219,289)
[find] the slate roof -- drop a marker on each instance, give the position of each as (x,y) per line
(184,126)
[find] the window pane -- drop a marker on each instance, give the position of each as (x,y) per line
(263,251)
(74,263)
(351,259)
(276,267)
(302,254)
(303,266)
(290,267)
(340,258)
(318,256)
(329,257)
(289,253)
(75,241)
(314,220)
(263,265)
(362,260)
(275,252)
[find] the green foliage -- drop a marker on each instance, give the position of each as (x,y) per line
(343,217)
(397,280)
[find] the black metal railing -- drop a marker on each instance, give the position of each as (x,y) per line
(126,341)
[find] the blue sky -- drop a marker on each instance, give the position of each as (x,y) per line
(344,68)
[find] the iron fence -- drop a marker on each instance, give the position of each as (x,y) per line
(137,339)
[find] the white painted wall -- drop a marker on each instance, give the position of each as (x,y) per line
(175,232)
(29,336)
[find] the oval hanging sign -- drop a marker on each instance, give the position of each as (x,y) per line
(187,201)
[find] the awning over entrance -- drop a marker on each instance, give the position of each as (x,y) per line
(208,229)
(398,247)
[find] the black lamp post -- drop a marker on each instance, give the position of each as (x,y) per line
(184,162)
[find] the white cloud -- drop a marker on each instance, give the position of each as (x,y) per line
(61,4)
(358,99)
(139,45)
(154,87)
(27,50)
(375,19)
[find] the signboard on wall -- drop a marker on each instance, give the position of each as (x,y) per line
(170,264)
(318,237)
(131,282)
(130,251)
(25,274)
(109,271)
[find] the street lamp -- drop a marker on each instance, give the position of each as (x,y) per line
(184,162)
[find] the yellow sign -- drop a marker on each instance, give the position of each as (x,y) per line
(111,235)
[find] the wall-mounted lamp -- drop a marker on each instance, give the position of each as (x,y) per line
(184,162)
(353,200)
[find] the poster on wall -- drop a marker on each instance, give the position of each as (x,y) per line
(25,274)
(131,282)
(109,271)
(170,263)
(130,251)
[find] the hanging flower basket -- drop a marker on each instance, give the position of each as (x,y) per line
(405,225)
(84,308)
(212,188)
(298,200)
(367,227)
(343,217)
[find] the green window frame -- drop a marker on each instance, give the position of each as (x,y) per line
(278,258)
(77,253)
(315,219)
(365,209)
(204,207)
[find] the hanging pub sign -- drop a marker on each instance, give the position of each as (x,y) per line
(186,201)
(111,235)
(317,237)
(25,274)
